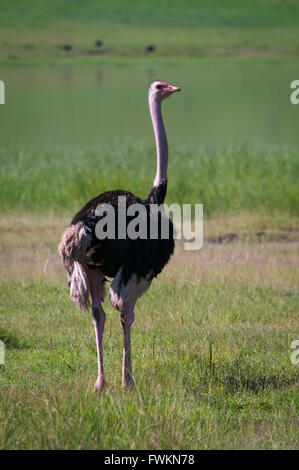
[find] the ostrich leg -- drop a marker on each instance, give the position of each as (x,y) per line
(127,319)
(98,319)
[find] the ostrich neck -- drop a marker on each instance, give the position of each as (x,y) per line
(161,141)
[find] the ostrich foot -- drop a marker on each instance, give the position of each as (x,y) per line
(99,384)
(128,381)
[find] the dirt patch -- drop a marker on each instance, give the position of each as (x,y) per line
(257,237)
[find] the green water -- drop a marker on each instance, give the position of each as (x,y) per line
(224,102)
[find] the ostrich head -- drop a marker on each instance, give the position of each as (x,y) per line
(159,89)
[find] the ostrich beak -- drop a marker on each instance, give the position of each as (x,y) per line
(171,89)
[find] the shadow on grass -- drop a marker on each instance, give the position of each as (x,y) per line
(234,379)
(13,340)
(258,384)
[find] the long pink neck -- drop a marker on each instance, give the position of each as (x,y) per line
(161,141)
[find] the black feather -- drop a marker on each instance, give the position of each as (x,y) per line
(144,257)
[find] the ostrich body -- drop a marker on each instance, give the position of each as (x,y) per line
(133,263)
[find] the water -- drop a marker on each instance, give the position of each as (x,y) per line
(222,102)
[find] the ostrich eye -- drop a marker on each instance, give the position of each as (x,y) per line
(159,87)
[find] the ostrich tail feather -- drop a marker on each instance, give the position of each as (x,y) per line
(79,287)
(75,241)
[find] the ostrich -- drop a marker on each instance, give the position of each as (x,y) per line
(150,48)
(66,47)
(98,43)
(132,263)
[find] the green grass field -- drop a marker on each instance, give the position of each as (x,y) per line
(178,29)
(227,179)
(211,342)
(211,348)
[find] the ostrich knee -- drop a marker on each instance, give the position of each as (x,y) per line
(127,318)
(98,318)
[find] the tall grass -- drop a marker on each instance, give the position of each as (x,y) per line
(224,179)
(211,358)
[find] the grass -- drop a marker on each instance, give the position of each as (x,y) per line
(178,29)
(211,340)
(202,13)
(211,348)
(228,179)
